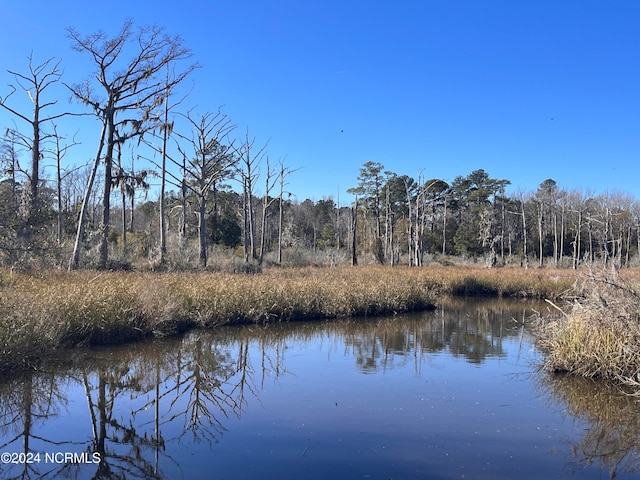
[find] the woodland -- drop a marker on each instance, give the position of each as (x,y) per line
(222,204)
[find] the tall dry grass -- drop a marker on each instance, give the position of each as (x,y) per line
(501,282)
(50,311)
(598,336)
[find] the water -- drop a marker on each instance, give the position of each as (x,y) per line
(448,394)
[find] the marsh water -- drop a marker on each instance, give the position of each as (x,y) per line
(453,393)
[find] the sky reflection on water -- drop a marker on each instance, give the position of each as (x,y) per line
(438,395)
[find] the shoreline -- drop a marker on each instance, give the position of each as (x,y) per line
(45,313)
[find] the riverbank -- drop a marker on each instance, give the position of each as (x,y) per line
(47,312)
(596,334)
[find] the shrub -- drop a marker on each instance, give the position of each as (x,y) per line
(599,337)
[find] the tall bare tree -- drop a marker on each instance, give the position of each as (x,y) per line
(33,84)
(209,161)
(270,182)
(59,151)
(132,92)
(167,130)
(248,172)
(283,173)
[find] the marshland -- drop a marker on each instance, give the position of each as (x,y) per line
(450,392)
(44,313)
(590,326)
(173,300)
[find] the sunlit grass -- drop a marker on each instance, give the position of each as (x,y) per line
(598,336)
(50,311)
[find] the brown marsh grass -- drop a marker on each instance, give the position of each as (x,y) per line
(500,282)
(598,334)
(53,310)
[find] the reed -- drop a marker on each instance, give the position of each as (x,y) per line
(54,310)
(599,335)
(501,282)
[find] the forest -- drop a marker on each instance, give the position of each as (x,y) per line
(223,204)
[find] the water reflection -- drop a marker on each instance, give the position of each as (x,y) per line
(612,438)
(25,407)
(131,395)
(146,410)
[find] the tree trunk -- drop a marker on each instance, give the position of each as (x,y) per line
(576,242)
(75,257)
(444,228)
(202,231)
(124,222)
(245,220)
(555,239)
(354,228)
(562,233)
(524,230)
(263,227)
(106,192)
(280,219)
(183,201)
(163,174)
(34,201)
(502,226)
(540,237)
(59,190)
(132,210)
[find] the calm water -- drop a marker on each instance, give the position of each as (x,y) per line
(441,395)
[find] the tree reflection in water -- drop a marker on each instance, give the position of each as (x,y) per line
(26,403)
(613,418)
(200,384)
(132,393)
(140,402)
(471,333)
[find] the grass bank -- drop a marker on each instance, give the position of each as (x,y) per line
(48,312)
(598,334)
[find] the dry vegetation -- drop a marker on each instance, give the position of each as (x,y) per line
(46,312)
(598,334)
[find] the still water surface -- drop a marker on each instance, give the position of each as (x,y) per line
(448,394)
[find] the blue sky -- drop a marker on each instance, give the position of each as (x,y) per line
(524,90)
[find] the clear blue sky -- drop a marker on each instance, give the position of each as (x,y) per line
(524,90)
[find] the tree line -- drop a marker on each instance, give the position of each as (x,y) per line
(473,217)
(99,214)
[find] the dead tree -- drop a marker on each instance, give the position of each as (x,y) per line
(282,175)
(267,200)
(33,84)
(248,173)
(209,161)
(59,151)
(133,91)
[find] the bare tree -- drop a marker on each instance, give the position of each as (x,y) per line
(282,175)
(521,199)
(354,231)
(267,200)
(248,172)
(34,83)
(167,130)
(132,92)
(59,152)
(209,162)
